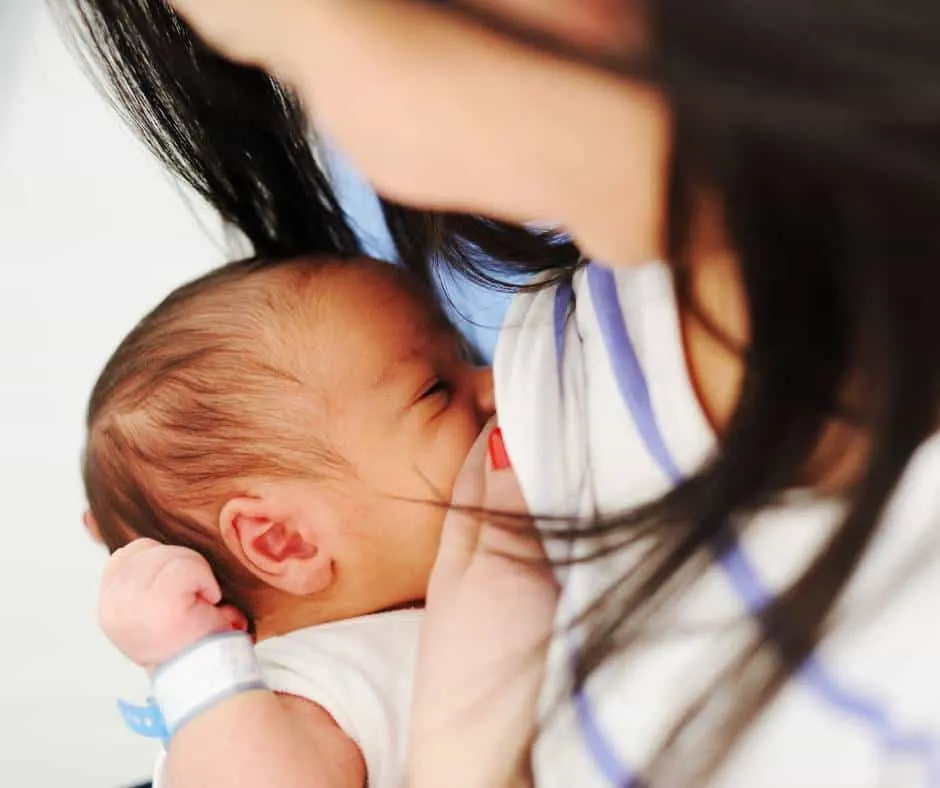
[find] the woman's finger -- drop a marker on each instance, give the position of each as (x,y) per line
(461,531)
(509,530)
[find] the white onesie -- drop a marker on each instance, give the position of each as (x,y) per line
(361,671)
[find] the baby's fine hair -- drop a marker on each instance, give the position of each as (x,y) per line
(208,391)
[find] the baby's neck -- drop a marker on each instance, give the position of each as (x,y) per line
(283,614)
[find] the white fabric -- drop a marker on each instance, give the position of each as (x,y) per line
(361,671)
(578,450)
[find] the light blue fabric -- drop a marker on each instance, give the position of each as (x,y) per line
(145,721)
(476,310)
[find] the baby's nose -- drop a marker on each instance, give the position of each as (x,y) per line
(482,381)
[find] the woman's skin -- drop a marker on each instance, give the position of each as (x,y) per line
(597,24)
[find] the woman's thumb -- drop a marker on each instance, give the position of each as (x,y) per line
(461,530)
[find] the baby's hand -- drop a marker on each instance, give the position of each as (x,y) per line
(156,600)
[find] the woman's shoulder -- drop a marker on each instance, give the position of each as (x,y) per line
(585,370)
(894,591)
(864,710)
(870,688)
(875,675)
(903,560)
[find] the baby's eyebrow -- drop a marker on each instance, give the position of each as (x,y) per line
(397,367)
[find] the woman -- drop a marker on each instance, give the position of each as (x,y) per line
(783,157)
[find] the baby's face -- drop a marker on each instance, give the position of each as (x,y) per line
(402,409)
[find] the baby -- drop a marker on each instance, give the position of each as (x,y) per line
(299,425)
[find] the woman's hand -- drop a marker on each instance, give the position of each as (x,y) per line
(490,608)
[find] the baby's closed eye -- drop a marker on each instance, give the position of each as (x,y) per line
(437,387)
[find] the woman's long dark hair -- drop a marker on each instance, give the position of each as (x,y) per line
(244,145)
(817,125)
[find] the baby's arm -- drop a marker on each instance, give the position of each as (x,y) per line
(157,601)
(259,738)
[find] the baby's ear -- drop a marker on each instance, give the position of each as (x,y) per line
(91,526)
(275,544)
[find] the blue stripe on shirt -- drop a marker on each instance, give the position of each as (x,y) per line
(605,756)
(634,390)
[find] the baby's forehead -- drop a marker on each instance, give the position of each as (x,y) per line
(366,294)
(359,316)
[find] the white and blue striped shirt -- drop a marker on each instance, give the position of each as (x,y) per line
(599,415)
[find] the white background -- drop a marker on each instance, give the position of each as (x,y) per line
(92,233)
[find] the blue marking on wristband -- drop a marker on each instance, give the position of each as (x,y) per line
(145,721)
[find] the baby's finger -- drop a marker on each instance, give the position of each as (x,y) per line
(237,620)
(135,547)
(203,580)
(143,560)
(210,590)
(129,560)
(201,622)
(188,574)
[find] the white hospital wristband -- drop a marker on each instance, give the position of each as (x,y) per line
(207,673)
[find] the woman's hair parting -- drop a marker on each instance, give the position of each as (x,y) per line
(205,393)
(817,128)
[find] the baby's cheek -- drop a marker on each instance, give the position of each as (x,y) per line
(444,446)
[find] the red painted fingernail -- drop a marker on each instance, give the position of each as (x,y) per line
(499,459)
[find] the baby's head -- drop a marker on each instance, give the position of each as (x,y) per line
(290,421)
